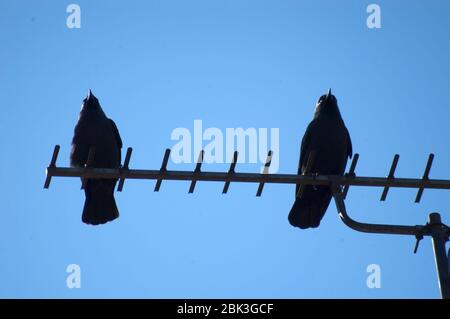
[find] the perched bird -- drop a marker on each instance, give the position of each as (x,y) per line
(94,129)
(328,137)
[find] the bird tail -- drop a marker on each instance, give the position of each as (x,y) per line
(100,206)
(308,211)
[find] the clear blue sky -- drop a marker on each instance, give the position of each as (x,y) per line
(159,65)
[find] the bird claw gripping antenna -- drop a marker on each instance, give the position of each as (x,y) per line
(339,185)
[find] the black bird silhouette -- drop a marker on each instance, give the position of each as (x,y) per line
(328,137)
(94,129)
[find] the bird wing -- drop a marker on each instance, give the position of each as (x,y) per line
(116,134)
(304,147)
(349,144)
(303,151)
(79,150)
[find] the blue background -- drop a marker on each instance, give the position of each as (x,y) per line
(159,65)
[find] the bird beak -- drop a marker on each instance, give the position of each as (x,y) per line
(89,94)
(328,94)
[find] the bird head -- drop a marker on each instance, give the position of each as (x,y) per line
(90,102)
(327,104)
